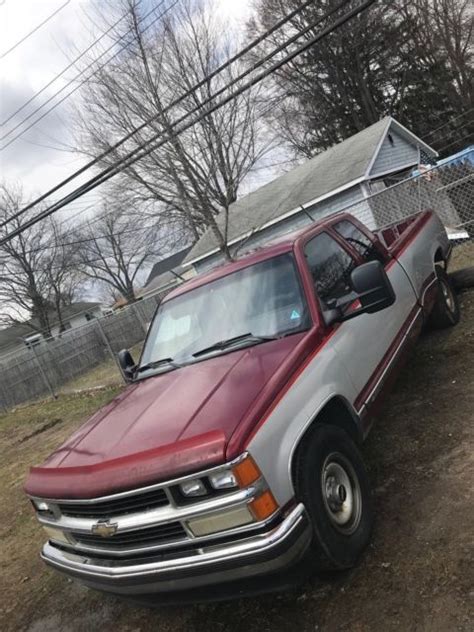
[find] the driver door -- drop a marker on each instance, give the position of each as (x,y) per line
(364,343)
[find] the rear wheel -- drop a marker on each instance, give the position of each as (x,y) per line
(462,279)
(445,312)
(332,482)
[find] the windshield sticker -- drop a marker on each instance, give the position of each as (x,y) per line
(294,315)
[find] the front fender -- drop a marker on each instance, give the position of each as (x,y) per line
(274,443)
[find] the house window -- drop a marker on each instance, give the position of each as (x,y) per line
(89,316)
(33,341)
(330,266)
(67,325)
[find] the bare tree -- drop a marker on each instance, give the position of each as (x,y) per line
(197,174)
(412,59)
(37,278)
(115,249)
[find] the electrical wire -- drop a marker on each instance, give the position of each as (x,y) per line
(454,118)
(177,101)
(53,96)
(85,240)
(148,147)
(457,140)
(23,39)
(129,158)
(60,74)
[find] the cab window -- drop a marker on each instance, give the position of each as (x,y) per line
(360,242)
(331,268)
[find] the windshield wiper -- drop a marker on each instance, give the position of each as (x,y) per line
(157,363)
(229,342)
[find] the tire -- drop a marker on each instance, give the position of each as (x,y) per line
(445,311)
(462,279)
(341,519)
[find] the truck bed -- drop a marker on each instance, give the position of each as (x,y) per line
(396,235)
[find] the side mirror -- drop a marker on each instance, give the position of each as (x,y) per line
(126,364)
(372,288)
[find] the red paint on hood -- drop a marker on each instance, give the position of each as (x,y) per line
(164,426)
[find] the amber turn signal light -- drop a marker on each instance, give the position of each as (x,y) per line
(246,472)
(263,506)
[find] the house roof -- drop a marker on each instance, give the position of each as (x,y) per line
(162,281)
(328,173)
(167,264)
(11,335)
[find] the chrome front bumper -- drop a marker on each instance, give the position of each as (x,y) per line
(268,552)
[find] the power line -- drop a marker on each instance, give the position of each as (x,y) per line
(55,105)
(454,118)
(85,240)
(457,140)
(12,48)
(201,83)
(60,74)
(58,92)
(131,157)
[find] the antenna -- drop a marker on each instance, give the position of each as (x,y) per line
(306,212)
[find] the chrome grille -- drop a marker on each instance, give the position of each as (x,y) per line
(160,534)
(117,506)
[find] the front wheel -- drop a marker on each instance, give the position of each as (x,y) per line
(445,311)
(332,482)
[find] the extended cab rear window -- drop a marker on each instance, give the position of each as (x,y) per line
(360,242)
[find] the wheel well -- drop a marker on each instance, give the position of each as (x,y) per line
(336,412)
(440,258)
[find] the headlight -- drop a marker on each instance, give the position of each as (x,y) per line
(223,480)
(41,505)
(194,487)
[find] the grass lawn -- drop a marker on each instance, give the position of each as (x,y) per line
(106,374)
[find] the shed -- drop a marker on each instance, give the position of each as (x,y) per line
(344,175)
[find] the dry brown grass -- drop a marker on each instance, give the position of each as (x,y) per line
(417,573)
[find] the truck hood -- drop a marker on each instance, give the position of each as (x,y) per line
(163,426)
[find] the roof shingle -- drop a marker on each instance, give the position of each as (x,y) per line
(315,178)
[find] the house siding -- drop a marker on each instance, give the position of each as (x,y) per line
(78,320)
(392,157)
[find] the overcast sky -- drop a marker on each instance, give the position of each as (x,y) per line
(34,159)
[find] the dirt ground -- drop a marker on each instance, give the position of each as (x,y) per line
(417,575)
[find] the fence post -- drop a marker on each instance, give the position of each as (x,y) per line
(109,348)
(139,318)
(43,373)
(3,399)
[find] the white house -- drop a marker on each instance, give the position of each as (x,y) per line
(343,176)
(21,335)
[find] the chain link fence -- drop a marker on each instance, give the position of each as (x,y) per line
(448,190)
(40,371)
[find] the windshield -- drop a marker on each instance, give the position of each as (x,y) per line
(264,300)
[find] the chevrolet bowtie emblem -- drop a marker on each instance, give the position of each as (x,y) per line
(104,528)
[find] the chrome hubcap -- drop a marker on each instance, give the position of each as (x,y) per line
(341,493)
(448,296)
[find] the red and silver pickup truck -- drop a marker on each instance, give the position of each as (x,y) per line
(232,457)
